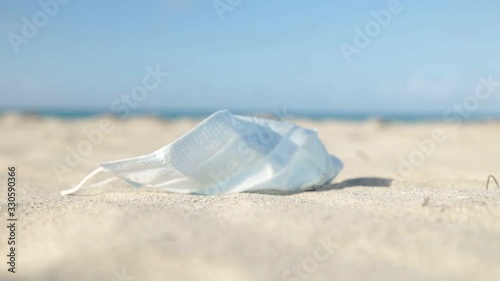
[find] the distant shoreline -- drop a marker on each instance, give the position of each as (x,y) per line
(341,116)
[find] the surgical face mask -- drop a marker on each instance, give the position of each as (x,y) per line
(229,153)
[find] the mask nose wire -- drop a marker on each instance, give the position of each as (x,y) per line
(80,185)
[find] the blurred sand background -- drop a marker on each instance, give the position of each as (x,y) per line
(372,223)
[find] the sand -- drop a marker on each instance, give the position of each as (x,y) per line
(381,219)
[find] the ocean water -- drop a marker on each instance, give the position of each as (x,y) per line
(346,116)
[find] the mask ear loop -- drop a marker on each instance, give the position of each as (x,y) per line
(80,185)
(494,179)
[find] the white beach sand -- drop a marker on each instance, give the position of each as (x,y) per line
(372,223)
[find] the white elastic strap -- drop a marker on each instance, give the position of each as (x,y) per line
(80,185)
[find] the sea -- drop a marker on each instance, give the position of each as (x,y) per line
(281,114)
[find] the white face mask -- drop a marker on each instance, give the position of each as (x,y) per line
(230,153)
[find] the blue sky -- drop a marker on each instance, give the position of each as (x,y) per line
(255,55)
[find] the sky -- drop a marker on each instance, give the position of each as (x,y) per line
(312,56)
